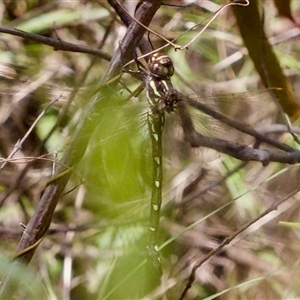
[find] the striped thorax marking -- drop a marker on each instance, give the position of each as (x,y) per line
(161,69)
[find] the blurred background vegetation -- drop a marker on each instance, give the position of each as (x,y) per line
(95,247)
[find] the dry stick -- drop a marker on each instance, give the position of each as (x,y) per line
(119,9)
(239,151)
(19,143)
(135,32)
(215,15)
(144,45)
(21,176)
(176,47)
(263,56)
(27,159)
(278,128)
(229,239)
(56,44)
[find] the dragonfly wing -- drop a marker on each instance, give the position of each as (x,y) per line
(249,109)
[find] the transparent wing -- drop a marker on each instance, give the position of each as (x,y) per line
(252,109)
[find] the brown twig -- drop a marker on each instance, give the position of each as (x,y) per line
(133,37)
(55,43)
(228,240)
(239,151)
(19,143)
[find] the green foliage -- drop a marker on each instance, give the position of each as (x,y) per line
(23,280)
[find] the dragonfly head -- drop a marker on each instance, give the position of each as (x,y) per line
(161,66)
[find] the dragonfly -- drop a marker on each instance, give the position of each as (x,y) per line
(164,98)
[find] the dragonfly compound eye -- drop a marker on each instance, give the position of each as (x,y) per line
(161,66)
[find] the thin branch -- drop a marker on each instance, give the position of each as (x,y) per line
(229,239)
(56,44)
(239,151)
(215,15)
(176,47)
(127,20)
(132,38)
(19,143)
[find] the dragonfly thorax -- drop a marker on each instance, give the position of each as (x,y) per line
(161,66)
